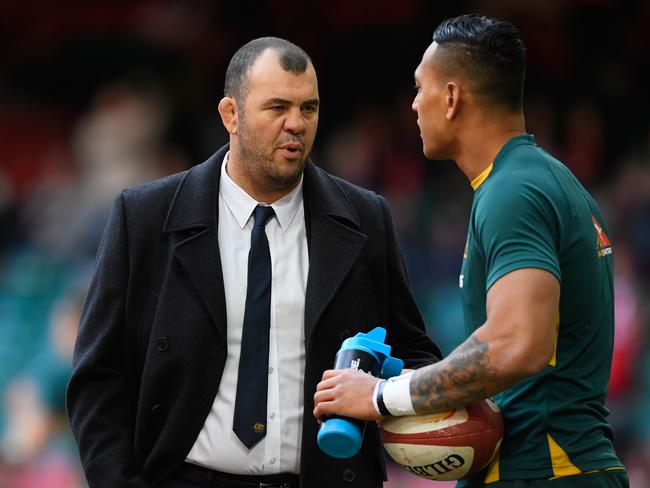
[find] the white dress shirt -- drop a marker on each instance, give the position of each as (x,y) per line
(217,446)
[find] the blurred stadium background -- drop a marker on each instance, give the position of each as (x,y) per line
(99,95)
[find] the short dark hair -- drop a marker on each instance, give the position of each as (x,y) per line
(292,58)
(490,53)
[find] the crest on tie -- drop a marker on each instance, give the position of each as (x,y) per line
(258,427)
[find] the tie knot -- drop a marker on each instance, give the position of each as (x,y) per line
(262,215)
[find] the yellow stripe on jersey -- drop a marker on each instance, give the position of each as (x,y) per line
(562,465)
(594,471)
(492,474)
(476,182)
(553,361)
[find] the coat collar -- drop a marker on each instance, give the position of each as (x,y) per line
(333,229)
(196,203)
(324,197)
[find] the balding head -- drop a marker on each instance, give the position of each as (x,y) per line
(291,58)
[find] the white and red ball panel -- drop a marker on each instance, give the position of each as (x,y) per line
(445,446)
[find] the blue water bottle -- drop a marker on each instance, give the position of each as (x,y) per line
(340,437)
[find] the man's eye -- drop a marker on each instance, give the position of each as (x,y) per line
(309,109)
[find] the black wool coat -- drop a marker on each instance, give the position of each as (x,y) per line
(151,346)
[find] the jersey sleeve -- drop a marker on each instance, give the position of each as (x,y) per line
(516,227)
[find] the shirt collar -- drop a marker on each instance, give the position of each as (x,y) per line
(241,204)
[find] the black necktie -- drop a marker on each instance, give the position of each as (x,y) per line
(249,423)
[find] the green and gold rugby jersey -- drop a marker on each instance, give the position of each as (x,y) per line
(529,211)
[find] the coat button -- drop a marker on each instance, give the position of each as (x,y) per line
(349,475)
(156,407)
(161,344)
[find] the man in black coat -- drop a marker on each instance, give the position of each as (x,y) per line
(161,343)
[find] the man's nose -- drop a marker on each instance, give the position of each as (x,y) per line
(295,122)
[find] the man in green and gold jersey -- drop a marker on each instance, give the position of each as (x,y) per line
(536,279)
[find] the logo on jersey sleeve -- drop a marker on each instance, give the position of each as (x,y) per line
(461,278)
(603,244)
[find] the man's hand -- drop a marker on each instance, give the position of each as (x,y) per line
(346,392)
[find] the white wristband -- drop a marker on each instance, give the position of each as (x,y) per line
(374,397)
(397,395)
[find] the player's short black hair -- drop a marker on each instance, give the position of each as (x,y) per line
(490,53)
(292,58)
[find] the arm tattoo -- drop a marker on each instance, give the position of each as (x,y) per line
(460,379)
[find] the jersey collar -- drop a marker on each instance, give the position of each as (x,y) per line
(514,142)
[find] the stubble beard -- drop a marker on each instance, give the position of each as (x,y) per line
(260,164)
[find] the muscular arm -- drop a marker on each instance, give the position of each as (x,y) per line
(516,341)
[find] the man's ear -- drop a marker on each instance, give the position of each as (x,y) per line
(228,112)
(452,100)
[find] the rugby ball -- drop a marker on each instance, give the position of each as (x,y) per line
(445,446)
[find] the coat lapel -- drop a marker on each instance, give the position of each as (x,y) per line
(335,241)
(193,220)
